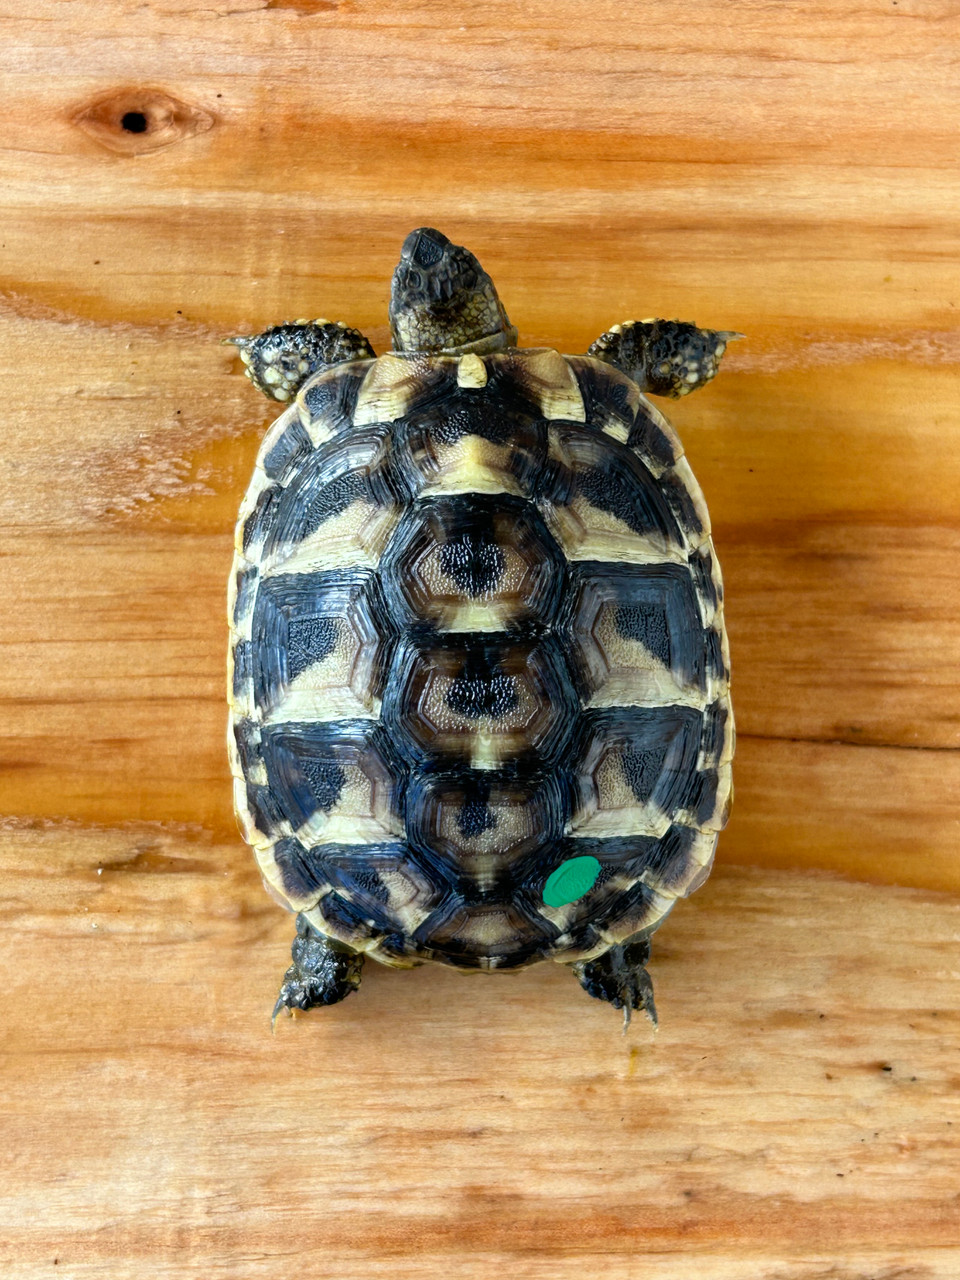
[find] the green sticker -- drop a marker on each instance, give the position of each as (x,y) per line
(570,881)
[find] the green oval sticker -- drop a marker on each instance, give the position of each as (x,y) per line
(571,880)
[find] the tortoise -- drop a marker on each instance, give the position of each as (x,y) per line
(478,675)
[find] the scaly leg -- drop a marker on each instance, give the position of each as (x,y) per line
(323,972)
(619,976)
(281,359)
(664,357)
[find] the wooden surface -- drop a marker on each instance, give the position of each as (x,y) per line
(788,170)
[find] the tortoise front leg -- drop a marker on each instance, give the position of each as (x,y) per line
(664,357)
(281,359)
(323,971)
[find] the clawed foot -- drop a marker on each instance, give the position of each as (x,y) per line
(664,357)
(322,972)
(281,359)
(619,977)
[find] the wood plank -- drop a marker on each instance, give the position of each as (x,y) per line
(787,170)
(846,632)
(826,85)
(880,814)
(801,1088)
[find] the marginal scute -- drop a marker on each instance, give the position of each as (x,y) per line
(259,520)
(684,495)
(259,814)
(293,872)
(719,735)
(359,927)
(258,491)
(610,398)
(240,662)
(626,898)
(653,439)
(709,800)
(542,377)
(497,935)
(385,878)
(240,603)
(327,402)
(394,383)
(709,583)
(283,450)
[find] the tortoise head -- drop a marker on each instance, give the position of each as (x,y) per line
(443,300)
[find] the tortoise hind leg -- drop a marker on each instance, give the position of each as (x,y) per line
(664,357)
(323,971)
(281,359)
(619,976)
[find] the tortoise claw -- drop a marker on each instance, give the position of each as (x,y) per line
(619,977)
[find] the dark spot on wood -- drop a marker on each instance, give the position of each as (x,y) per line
(304,7)
(152,861)
(133,120)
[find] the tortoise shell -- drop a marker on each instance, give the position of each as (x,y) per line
(477,632)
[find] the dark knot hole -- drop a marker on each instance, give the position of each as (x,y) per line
(134,122)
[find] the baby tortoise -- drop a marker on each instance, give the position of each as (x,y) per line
(479,680)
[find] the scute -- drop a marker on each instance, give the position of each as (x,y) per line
(638,635)
(474,563)
(482,702)
(491,829)
(320,644)
(477,631)
(337,510)
(601,503)
(472,443)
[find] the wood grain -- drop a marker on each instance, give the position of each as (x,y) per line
(795,1115)
(787,170)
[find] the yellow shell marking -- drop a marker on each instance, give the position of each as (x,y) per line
(471,371)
